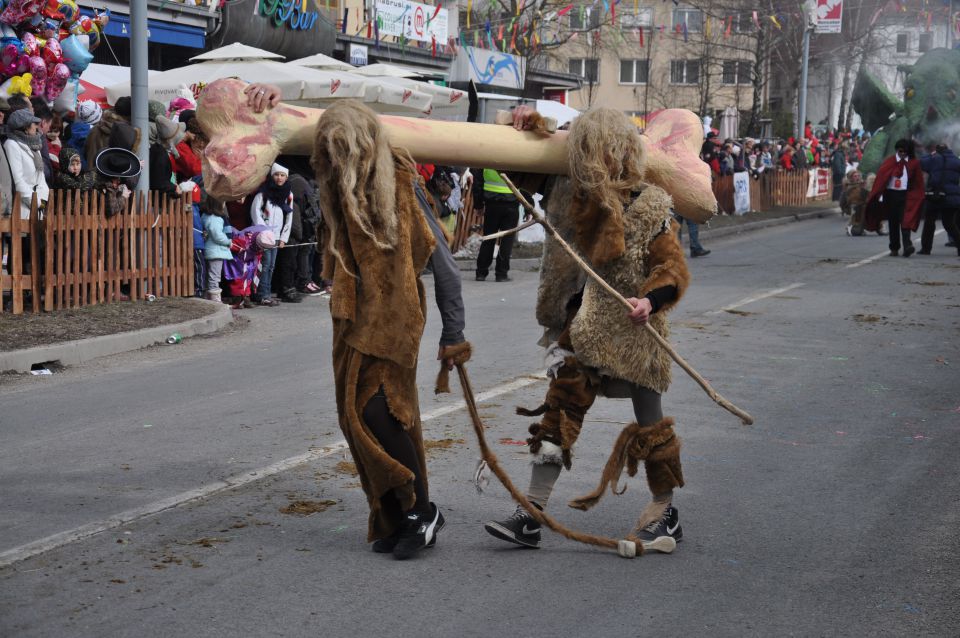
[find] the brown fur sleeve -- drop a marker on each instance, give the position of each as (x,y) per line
(667,265)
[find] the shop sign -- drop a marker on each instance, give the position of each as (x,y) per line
(412,20)
(292,13)
(358,55)
(829,16)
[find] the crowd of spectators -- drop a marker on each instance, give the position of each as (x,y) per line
(45,150)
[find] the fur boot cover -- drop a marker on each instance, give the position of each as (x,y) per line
(602,336)
(569,397)
(656,445)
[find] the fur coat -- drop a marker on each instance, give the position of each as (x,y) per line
(379,311)
(601,334)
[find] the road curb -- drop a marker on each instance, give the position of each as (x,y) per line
(83,350)
(767,223)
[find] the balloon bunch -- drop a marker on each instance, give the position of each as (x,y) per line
(44,47)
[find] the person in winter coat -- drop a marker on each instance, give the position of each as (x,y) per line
(942,195)
(272,207)
(24,149)
(838,166)
(164,137)
(71,175)
(187,163)
(897,196)
(217,243)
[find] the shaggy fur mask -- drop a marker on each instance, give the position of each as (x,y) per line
(606,166)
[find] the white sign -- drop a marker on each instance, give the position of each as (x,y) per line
(358,55)
(412,20)
(829,16)
(488,67)
(741,193)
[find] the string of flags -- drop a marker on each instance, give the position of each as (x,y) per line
(505,33)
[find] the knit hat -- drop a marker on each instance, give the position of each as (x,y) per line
(169,133)
(89,112)
(21,119)
(124,106)
(155,109)
(276,168)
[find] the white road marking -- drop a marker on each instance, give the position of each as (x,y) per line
(748,300)
(864,262)
(54,541)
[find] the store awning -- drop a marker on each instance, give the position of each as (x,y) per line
(160,32)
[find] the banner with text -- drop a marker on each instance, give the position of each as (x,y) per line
(829,16)
(741,193)
(412,20)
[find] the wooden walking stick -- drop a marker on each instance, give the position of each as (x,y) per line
(549,229)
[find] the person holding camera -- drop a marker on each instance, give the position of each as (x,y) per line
(942,195)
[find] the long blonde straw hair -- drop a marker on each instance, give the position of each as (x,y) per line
(356,176)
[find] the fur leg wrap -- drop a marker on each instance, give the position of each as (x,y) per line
(569,397)
(656,445)
(461,354)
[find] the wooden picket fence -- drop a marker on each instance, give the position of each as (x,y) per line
(773,189)
(79,257)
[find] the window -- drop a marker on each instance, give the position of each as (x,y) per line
(692,17)
(743,23)
(642,18)
(634,71)
(744,72)
(729,72)
(902,42)
(925,43)
(587,68)
(585,19)
(684,71)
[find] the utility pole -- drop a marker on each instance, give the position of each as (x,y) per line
(802,115)
(138,87)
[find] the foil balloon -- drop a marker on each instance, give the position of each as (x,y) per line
(69,10)
(17,85)
(56,81)
(9,60)
(51,11)
(38,71)
(91,27)
(21,11)
(75,54)
(52,52)
(30,45)
(67,100)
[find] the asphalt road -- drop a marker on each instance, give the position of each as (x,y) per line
(140,495)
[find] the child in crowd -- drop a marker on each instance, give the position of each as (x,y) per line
(247,247)
(272,207)
(71,175)
(216,245)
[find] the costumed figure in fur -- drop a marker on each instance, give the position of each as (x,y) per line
(382,234)
(624,227)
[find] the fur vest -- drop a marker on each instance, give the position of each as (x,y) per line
(602,336)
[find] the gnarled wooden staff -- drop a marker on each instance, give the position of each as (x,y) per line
(550,230)
(629,547)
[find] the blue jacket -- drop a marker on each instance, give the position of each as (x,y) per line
(197,228)
(78,139)
(944,171)
(218,243)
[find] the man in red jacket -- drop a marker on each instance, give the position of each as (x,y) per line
(897,196)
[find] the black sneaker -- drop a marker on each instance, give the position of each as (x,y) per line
(667,527)
(503,278)
(417,531)
(699,252)
(909,250)
(481,277)
(520,528)
(290,295)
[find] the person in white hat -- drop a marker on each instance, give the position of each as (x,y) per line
(272,206)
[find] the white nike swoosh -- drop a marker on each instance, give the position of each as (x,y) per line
(530,531)
(671,530)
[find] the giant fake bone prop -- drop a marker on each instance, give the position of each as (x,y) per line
(243,145)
